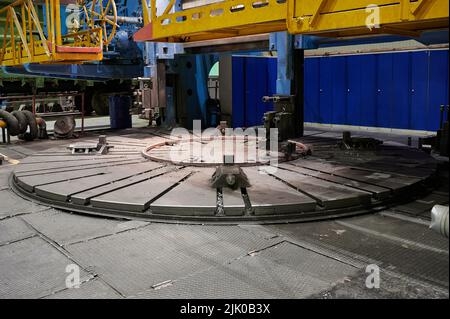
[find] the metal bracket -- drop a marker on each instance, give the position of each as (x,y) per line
(102,147)
(316,15)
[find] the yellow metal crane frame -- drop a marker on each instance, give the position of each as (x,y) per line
(331,18)
(24,39)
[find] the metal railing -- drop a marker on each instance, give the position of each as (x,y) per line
(27,40)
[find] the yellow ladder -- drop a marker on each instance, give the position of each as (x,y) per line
(331,18)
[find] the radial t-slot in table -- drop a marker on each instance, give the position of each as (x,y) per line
(329,195)
(193,197)
(269,196)
(137,197)
(64,189)
(377,191)
(397,183)
(233,201)
(84,197)
(82,163)
(38,159)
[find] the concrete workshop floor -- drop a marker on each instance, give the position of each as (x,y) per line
(135,259)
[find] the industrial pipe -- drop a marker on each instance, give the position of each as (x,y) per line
(130,20)
(439,220)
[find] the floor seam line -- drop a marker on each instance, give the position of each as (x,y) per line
(229,261)
(392,238)
(103,236)
(67,254)
(17,240)
(24,214)
(323,252)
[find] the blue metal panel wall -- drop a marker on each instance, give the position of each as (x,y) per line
(384,103)
(326,89)
(338,79)
(253,77)
(400,114)
(312,86)
(368,93)
(238,98)
(391,90)
(437,85)
(419,91)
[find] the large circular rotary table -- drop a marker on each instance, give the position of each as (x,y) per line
(142,178)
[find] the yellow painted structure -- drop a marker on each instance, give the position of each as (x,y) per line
(25,41)
(331,18)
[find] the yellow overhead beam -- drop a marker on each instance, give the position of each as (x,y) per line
(366,16)
(322,17)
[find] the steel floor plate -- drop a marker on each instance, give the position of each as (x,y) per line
(12,205)
(281,271)
(92,289)
(38,269)
(66,228)
(372,244)
(13,229)
(158,253)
